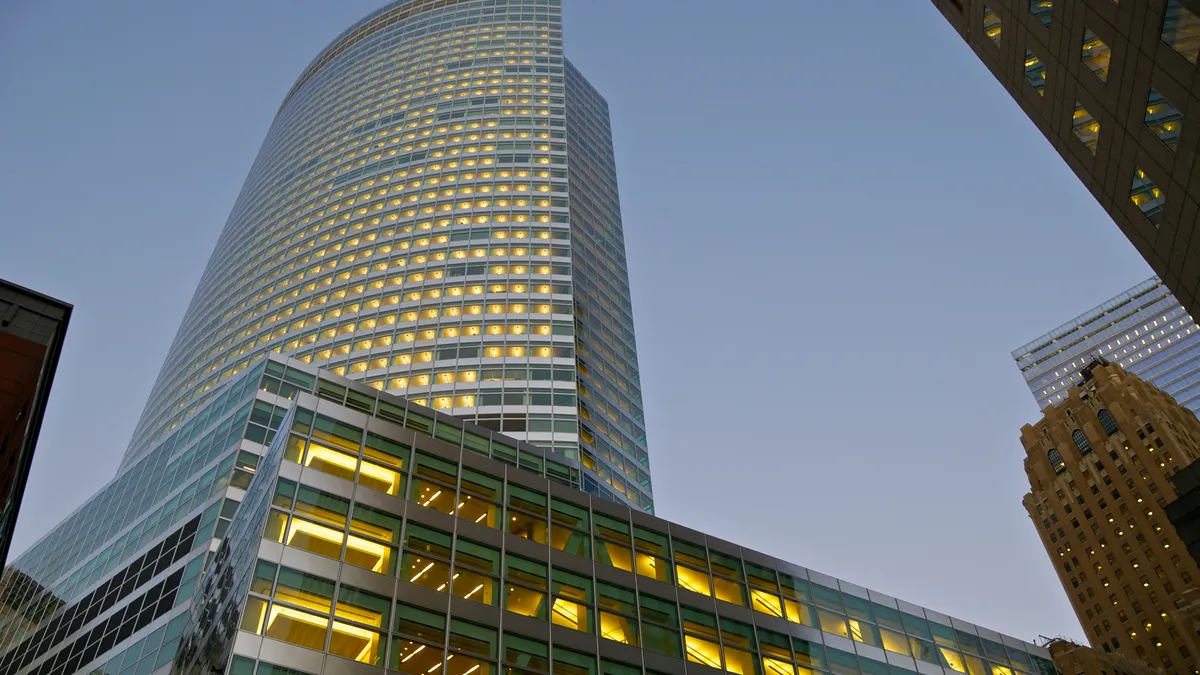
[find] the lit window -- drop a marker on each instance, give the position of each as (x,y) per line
(1095,54)
(991,24)
(1085,127)
(1163,119)
(1042,9)
(1181,30)
(1147,197)
(1035,72)
(1056,461)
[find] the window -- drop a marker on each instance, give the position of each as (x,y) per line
(1147,197)
(1095,54)
(618,614)
(652,553)
(1056,461)
(571,606)
(701,638)
(1181,30)
(660,624)
(1035,72)
(1163,119)
(525,587)
(1042,9)
(991,25)
(1085,127)
(569,524)
(1081,442)
(1107,422)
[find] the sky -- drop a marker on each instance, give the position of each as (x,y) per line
(838,227)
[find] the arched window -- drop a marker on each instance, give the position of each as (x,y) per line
(1081,442)
(1107,421)
(1056,461)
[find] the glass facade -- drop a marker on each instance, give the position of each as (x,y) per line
(434,212)
(1144,330)
(376,529)
(479,566)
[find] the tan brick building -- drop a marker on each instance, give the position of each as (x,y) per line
(1076,659)
(1098,466)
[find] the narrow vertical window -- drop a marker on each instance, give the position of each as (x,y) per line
(1035,72)
(1042,9)
(1056,461)
(1085,127)
(1095,55)
(1181,30)
(991,25)
(1081,442)
(1147,197)
(1163,119)
(1107,421)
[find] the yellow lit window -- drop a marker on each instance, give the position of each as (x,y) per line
(693,580)
(703,651)
(570,614)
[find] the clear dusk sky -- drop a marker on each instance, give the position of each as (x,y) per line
(838,227)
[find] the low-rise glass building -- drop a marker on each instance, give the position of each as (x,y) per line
(377,534)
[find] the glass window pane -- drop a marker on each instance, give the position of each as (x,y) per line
(1163,119)
(297,627)
(1181,30)
(1085,127)
(1149,199)
(991,25)
(1043,10)
(1035,72)
(1095,54)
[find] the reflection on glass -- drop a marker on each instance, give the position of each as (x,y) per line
(426,572)
(653,567)
(1042,9)
(1035,72)
(693,579)
(991,25)
(1163,119)
(1095,54)
(472,586)
(296,627)
(570,614)
(1085,127)
(1181,30)
(618,628)
(702,651)
(1147,197)
(526,602)
(414,658)
(525,525)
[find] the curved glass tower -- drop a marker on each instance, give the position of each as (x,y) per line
(434,212)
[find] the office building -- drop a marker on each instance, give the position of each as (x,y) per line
(32,327)
(374,532)
(434,212)
(1075,659)
(1144,330)
(1099,465)
(1109,85)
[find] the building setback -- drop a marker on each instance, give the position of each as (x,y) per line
(1109,85)
(1099,465)
(32,327)
(374,532)
(434,211)
(1144,330)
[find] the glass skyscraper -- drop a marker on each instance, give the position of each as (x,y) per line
(434,212)
(1144,330)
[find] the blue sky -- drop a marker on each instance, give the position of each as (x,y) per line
(838,227)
